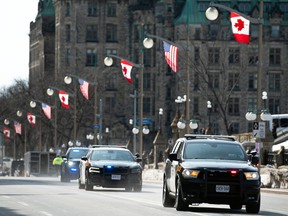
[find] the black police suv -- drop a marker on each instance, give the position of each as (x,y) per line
(70,164)
(110,167)
(210,169)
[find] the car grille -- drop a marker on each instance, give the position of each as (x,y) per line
(115,170)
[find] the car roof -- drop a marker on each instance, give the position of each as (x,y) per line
(210,137)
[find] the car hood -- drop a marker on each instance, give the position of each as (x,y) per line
(114,163)
(217,164)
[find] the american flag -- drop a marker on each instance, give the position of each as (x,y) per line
(47,110)
(17,127)
(84,87)
(171,55)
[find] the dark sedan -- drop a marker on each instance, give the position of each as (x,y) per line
(110,167)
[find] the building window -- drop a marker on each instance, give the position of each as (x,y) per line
(234,55)
(111,82)
(214,80)
(111,10)
(275,56)
(148,57)
(111,33)
(252,104)
(274,105)
(252,81)
(196,81)
(68,9)
(109,104)
(233,106)
(196,106)
(253,57)
(147,82)
(275,31)
(197,34)
(68,33)
(233,81)
(91,57)
(213,55)
(92,8)
(146,105)
(196,54)
(274,82)
(136,56)
(68,57)
(91,33)
(234,128)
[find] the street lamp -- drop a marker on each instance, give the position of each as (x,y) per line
(209,107)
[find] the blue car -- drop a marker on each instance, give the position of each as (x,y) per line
(70,164)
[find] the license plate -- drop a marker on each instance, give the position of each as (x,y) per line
(116,177)
(223,188)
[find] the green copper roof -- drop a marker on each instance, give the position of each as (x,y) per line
(45,8)
(193,12)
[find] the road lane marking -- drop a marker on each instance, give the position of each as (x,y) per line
(46,213)
(7,197)
(23,203)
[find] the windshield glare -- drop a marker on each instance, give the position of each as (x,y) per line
(112,155)
(222,151)
(77,153)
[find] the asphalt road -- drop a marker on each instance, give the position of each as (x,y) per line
(41,196)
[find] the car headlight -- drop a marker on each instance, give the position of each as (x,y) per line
(251,175)
(190,173)
(136,170)
(70,163)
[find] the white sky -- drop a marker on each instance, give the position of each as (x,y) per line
(15,18)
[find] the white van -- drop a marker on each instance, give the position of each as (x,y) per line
(281,121)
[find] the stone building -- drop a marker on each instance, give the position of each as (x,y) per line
(73,38)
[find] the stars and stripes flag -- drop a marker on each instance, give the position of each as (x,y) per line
(126,70)
(46,110)
(171,55)
(64,98)
(17,127)
(31,119)
(6,132)
(84,87)
(240,28)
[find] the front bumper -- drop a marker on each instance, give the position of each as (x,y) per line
(204,190)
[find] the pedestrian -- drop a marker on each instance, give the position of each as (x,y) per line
(57,162)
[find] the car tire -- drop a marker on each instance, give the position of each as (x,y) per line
(88,187)
(180,204)
(253,208)
(137,188)
(167,201)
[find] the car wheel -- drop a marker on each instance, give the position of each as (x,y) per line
(138,188)
(128,188)
(167,201)
(80,186)
(88,187)
(235,206)
(253,208)
(180,204)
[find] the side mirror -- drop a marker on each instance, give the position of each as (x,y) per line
(173,157)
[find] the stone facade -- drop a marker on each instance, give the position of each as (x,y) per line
(218,67)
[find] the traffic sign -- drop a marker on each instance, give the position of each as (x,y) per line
(95,126)
(259,129)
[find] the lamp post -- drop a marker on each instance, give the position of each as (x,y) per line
(90,136)
(212,14)
(108,61)
(19,113)
(7,122)
(209,107)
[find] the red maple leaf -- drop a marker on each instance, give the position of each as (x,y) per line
(63,99)
(125,70)
(239,24)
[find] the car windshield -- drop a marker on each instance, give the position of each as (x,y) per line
(219,150)
(104,154)
(77,153)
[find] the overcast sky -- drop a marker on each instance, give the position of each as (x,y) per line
(15,18)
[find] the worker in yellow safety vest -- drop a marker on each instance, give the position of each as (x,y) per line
(57,162)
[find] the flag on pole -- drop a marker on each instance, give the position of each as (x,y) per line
(240,28)
(18,127)
(6,132)
(84,87)
(47,110)
(126,70)
(31,118)
(64,98)
(171,55)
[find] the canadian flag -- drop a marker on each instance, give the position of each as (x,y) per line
(6,132)
(126,70)
(64,98)
(240,28)
(31,118)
